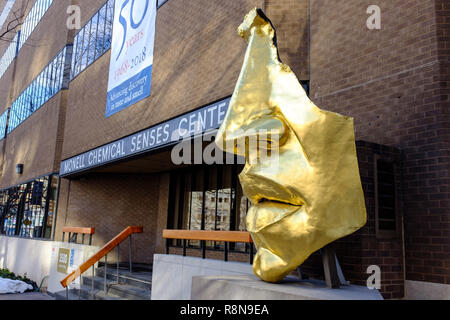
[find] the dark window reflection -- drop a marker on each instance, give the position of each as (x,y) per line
(28,210)
(386,195)
(208,198)
(93,39)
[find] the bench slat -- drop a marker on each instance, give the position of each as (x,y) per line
(78,230)
(204,235)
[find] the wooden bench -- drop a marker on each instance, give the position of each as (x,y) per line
(75,231)
(204,235)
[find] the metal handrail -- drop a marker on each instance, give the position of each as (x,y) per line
(103,252)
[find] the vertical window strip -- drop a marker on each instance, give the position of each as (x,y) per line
(93,40)
(77,57)
(101,35)
(109,24)
(24,111)
(59,76)
(39,90)
(12,116)
(56,67)
(48,80)
(66,61)
(85,46)
(72,69)
(3,122)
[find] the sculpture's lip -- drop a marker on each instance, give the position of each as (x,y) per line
(258,191)
(264,201)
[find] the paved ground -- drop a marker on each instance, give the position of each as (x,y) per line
(26,296)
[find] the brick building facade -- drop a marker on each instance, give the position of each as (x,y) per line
(394,82)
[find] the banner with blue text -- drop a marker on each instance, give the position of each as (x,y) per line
(130,70)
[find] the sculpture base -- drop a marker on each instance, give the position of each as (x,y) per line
(248,287)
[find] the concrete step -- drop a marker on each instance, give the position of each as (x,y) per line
(137,279)
(62,295)
(124,291)
(86,294)
(136,267)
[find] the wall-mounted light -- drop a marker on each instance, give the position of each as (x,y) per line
(19,168)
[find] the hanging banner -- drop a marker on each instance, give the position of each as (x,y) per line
(130,70)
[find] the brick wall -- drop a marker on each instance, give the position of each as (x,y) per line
(33,144)
(366,248)
(393,81)
(431,249)
(5,88)
(110,203)
(290,18)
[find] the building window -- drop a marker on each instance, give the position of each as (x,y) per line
(9,55)
(305,85)
(35,15)
(386,204)
(94,39)
(28,210)
(208,198)
(3,122)
(161,2)
(42,89)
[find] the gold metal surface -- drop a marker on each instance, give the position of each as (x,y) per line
(311,194)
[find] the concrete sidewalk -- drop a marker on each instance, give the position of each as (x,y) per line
(26,296)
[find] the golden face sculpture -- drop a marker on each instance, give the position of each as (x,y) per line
(310,194)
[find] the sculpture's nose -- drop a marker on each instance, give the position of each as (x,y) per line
(255,18)
(263,132)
